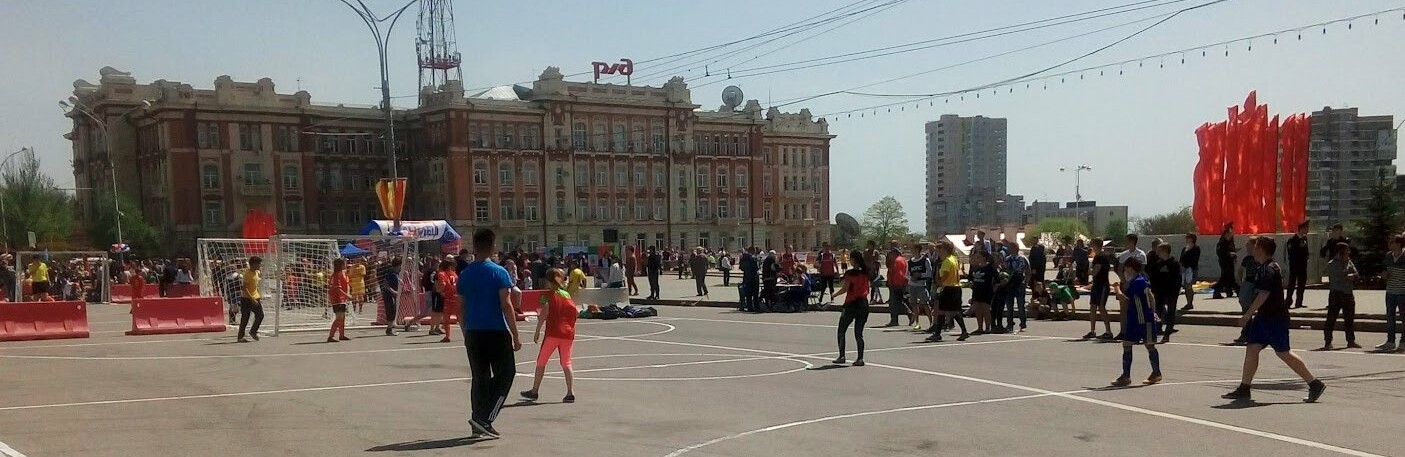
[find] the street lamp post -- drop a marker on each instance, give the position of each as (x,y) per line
(5,223)
(382,43)
(112,164)
(1077,186)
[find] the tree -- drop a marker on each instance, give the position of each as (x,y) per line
(32,203)
(102,229)
(1172,223)
(1373,232)
(1116,229)
(885,220)
(1058,228)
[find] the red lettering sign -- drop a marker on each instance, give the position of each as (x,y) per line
(625,67)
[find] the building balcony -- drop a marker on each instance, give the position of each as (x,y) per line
(256,188)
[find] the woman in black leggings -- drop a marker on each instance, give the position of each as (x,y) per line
(855,288)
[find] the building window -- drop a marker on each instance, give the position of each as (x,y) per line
(582,175)
(504,210)
(683,210)
(601,137)
(480,172)
(620,138)
(621,176)
(214,213)
(287,139)
(249,137)
(659,177)
(475,135)
(741,178)
(766,154)
(722,209)
(703,210)
(601,175)
(532,137)
(210,176)
(702,239)
(766,184)
(529,173)
(356,181)
(602,212)
(703,178)
(578,135)
(658,140)
(292,213)
(638,135)
(480,210)
(560,210)
(207,135)
(620,213)
(506,139)
(638,176)
(722,178)
(583,207)
(742,210)
(253,174)
(335,178)
(290,177)
(658,209)
(498,137)
(560,177)
(640,213)
(531,209)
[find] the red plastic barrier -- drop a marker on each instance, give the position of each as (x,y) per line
(154,316)
(25,321)
(183,290)
(122,293)
(531,304)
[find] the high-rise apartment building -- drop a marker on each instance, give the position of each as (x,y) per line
(557,164)
(1347,154)
(966,175)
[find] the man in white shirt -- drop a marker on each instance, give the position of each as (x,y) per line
(1132,252)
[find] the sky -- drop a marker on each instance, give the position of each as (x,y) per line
(1134,129)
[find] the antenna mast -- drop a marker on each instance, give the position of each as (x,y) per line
(436,46)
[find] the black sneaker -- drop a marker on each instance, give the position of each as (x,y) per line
(935,338)
(1314,391)
(569,398)
(483,429)
(530,395)
(858,363)
(1090,335)
(839,361)
(1242,393)
(255,336)
(242,340)
(1105,336)
(963,337)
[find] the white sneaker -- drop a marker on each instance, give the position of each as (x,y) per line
(1386,346)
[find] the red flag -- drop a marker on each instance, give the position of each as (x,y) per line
(391,193)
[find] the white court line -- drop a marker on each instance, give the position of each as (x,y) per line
(737,358)
(8,451)
(1150,412)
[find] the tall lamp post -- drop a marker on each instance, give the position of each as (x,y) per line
(1077,185)
(373,23)
(5,222)
(112,164)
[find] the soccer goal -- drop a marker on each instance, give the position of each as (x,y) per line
(72,275)
(296,270)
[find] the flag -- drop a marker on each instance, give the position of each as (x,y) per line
(391,193)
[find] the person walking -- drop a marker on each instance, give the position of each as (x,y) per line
(1341,279)
(1190,267)
(446,284)
(558,316)
(631,269)
(1267,323)
(1166,283)
(653,267)
(724,263)
(1139,321)
(1298,253)
(1225,253)
(1394,291)
(489,331)
(919,285)
(698,264)
(948,292)
(828,266)
(855,288)
(250,300)
(1102,287)
(390,294)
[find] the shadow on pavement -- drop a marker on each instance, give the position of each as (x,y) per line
(826,367)
(1246,404)
(423,445)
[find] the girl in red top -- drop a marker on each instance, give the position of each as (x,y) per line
(338,294)
(558,315)
(138,283)
(855,287)
(446,283)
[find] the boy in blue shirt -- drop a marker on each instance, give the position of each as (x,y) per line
(1139,321)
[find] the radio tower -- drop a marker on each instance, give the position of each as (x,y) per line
(436,47)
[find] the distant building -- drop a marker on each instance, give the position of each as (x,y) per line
(966,175)
(1346,155)
(1096,217)
(557,164)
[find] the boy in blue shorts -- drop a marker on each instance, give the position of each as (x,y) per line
(1139,321)
(1266,325)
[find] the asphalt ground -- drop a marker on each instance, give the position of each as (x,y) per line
(694,381)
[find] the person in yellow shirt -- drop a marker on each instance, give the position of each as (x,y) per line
(948,292)
(577,280)
(356,273)
(38,279)
(250,300)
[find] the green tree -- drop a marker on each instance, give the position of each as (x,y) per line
(1172,223)
(885,220)
(1058,228)
(1373,232)
(102,229)
(1115,230)
(32,203)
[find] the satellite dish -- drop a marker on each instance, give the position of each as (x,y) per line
(732,97)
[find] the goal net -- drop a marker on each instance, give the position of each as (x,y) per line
(72,275)
(297,268)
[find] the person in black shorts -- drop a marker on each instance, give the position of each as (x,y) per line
(948,292)
(1266,324)
(1102,286)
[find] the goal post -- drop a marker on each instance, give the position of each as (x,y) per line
(73,275)
(296,269)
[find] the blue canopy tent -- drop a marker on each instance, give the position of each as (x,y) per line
(350,250)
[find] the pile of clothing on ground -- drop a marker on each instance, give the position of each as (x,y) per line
(608,312)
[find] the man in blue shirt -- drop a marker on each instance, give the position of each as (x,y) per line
(489,334)
(390,294)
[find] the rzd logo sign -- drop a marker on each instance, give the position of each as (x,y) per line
(625,67)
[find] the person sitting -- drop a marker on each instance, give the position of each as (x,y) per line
(796,298)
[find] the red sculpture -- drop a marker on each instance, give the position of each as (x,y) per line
(1252,171)
(258,225)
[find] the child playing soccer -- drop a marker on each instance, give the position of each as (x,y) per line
(446,284)
(1139,322)
(1266,325)
(558,315)
(338,294)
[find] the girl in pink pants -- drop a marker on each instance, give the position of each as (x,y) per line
(558,315)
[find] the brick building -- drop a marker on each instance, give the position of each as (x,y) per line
(557,164)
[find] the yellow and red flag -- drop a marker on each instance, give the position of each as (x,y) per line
(391,193)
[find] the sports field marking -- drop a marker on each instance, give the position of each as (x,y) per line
(7,451)
(734,358)
(1128,408)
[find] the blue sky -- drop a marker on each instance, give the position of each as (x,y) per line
(1135,129)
